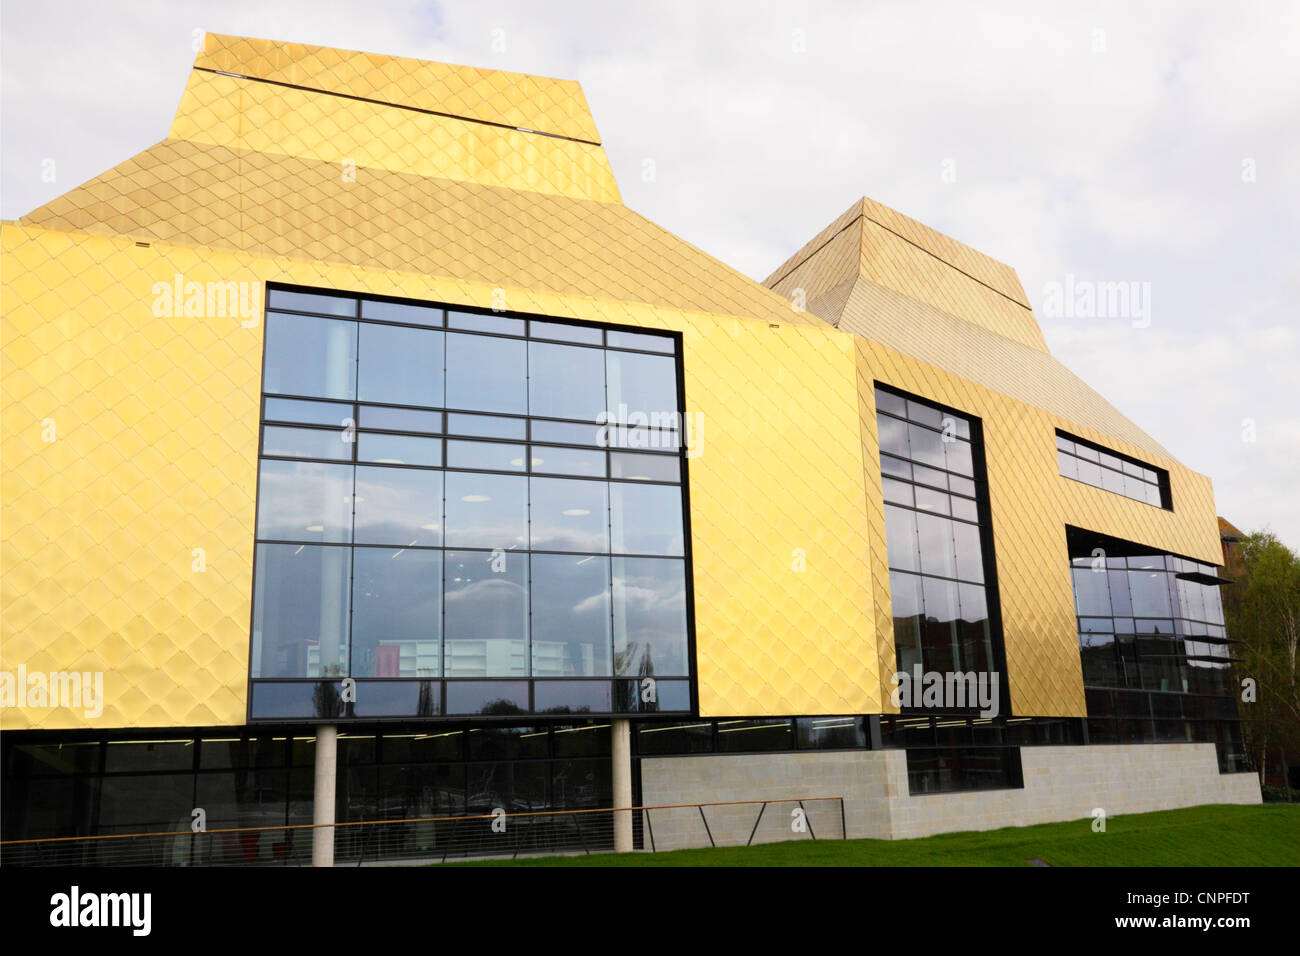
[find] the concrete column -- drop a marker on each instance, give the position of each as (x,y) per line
(620,733)
(322,802)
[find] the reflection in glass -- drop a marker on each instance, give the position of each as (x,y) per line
(566,381)
(641,389)
(396,613)
(569,515)
(646,519)
(487,511)
(401,506)
(649,617)
(645,467)
(304,501)
(548,459)
(399,366)
(487,374)
(489,455)
(300,618)
(571,628)
(486,614)
(905,594)
(279,442)
(310,356)
(399,449)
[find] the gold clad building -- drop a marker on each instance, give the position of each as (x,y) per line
(359,414)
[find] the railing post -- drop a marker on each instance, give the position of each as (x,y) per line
(322,804)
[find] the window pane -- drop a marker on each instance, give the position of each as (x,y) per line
(398,699)
(959,457)
(486,614)
(399,366)
(1150,591)
(401,420)
(565,333)
(935,536)
(300,611)
(1068,465)
(487,511)
(305,443)
(572,696)
(905,595)
(310,356)
(927,446)
(889,402)
(649,617)
(658,439)
(939,625)
(399,449)
(568,461)
(900,538)
(396,613)
(565,381)
(973,629)
(899,492)
(961,486)
(572,631)
(398,506)
(493,698)
(486,374)
(642,389)
(493,456)
(304,501)
(970,560)
(635,340)
(893,436)
(569,515)
(930,500)
(498,324)
(645,467)
(1091,594)
(400,312)
(646,519)
(965,509)
(307,302)
(570,434)
(487,426)
(312,413)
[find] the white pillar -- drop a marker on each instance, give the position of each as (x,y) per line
(322,802)
(621,758)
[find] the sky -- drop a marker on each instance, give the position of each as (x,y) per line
(1151,144)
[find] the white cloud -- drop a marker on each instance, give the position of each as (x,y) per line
(1111,155)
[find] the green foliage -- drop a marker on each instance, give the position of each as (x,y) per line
(1219,835)
(1262,610)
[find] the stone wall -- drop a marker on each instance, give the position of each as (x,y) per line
(1061,783)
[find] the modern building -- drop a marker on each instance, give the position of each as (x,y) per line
(366,458)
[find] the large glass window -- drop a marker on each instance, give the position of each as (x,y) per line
(1094,465)
(929,459)
(1151,633)
(443,501)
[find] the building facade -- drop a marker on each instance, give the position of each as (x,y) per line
(366,458)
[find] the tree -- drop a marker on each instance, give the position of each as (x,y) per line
(1262,610)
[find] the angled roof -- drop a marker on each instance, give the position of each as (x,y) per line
(888,248)
(880,275)
(391,163)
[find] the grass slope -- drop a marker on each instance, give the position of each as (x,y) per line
(1219,835)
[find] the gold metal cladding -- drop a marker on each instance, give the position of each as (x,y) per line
(152,455)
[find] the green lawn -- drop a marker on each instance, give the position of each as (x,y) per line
(1221,835)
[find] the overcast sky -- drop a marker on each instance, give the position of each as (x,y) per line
(1149,143)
